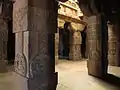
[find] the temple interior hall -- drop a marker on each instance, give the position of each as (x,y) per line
(59,45)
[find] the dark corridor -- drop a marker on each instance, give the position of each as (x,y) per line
(64,42)
(83,45)
(11,43)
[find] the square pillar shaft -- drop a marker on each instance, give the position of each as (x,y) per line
(97,41)
(75,46)
(34,23)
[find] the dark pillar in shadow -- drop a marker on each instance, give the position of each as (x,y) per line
(97,41)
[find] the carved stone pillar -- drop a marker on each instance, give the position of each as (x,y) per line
(35,24)
(56,47)
(3,44)
(112,45)
(97,41)
(75,45)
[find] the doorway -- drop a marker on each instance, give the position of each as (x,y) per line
(10,44)
(83,45)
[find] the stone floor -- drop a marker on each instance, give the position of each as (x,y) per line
(72,76)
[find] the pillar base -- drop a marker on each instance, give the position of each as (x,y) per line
(37,84)
(75,52)
(3,66)
(95,68)
(23,83)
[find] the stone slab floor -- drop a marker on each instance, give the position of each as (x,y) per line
(72,76)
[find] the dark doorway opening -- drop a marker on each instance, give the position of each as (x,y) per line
(60,50)
(83,45)
(11,43)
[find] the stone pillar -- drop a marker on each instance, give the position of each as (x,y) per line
(112,45)
(3,44)
(56,47)
(75,45)
(118,44)
(97,41)
(35,24)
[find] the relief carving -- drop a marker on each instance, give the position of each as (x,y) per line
(21,64)
(20,19)
(94,55)
(39,65)
(94,39)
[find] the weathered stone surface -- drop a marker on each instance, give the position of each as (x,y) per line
(75,45)
(56,47)
(112,45)
(3,44)
(35,61)
(97,40)
(21,60)
(3,39)
(47,17)
(20,16)
(21,64)
(118,44)
(75,52)
(3,68)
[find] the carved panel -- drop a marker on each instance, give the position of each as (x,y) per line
(21,64)
(94,55)
(20,22)
(94,40)
(75,52)
(39,65)
(20,13)
(77,39)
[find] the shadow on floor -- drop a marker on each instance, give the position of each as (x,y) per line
(112,79)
